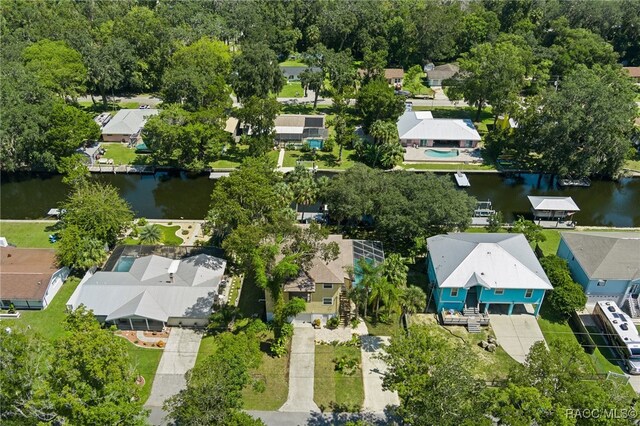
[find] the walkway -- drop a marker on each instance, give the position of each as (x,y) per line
(375,398)
(179,356)
(301,371)
(516,333)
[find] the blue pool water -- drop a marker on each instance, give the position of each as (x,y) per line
(124,264)
(315,143)
(437,153)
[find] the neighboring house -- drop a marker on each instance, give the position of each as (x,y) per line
(232,126)
(606,264)
(420,129)
(29,278)
(394,76)
(293,73)
(634,73)
(297,128)
(325,285)
(437,75)
(553,208)
(151,292)
(127,125)
(481,271)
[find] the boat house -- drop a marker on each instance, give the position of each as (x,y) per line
(552,208)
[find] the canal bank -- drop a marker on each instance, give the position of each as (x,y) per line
(175,195)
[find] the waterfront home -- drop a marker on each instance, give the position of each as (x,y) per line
(420,129)
(552,208)
(152,291)
(606,264)
(127,125)
(325,285)
(296,128)
(29,278)
(479,273)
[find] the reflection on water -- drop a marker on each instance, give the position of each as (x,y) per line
(174,195)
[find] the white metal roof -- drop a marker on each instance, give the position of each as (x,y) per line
(490,260)
(422,125)
(553,203)
(155,287)
(128,121)
(290,130)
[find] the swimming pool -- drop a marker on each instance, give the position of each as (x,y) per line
(124,264)
(441,153)
(315,143)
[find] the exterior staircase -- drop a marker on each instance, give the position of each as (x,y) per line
(632,305)
(470,311)
(473,326)
(345,307)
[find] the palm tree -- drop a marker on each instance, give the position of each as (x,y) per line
(412,300)
(150,234)
(284,193)
(371,274)
(395,270)
(385,138)
(305,192)
(391,154)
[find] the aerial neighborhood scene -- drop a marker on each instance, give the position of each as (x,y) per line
(320,212)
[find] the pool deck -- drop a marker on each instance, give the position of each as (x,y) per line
(418,155)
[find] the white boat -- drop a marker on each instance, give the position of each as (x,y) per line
(462,180)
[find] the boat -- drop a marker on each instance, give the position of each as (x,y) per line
(582,182)
(218,175)
(462,180)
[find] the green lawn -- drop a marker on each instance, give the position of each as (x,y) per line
(121,154)
(292,89)
(207,348)
(274,373)
(382,328)
(234,157)
(249,304)
(447,166)
(632,164)
(28,234)
(292,63)
(49,323)
(334,390)
(169,237)
(550,246)
(145,362)
(324,160)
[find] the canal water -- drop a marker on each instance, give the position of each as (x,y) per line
(180,195)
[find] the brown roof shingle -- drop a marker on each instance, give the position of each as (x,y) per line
(393,73)
(25,273)
(633,71)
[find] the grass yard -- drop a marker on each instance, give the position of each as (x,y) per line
(169,237)
(550,246)
(292,89)
(447,166)
(121,154)
(49,323)
(250,297)
(28,234)
(324,160)
(632,164)
(334,390)
(274,373)
(488,366)
(207,348)
(383,328)
(234,157)
(292,63)
(145,362)
(306,108)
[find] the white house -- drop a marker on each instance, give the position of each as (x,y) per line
(127,125)
(420,129)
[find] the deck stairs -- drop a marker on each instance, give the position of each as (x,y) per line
(345,307)
(632,306)
(470,311)
(473,326)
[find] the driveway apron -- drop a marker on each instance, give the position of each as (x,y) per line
(375,398)
(301,371)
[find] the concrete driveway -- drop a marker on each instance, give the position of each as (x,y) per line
(179,356)
(301,371)
(516,333)
(375,398)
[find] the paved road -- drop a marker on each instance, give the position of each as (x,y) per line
(179,356)
(141,99)
(278,418)
(301,371)
(516,333)
(375,398)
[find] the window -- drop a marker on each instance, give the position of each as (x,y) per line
(601,283)
(528,293)
(327,285)
(454,292)
(327,301)
(498,291)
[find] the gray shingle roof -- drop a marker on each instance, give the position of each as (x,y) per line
(606,255)
(128,121)
(491,260)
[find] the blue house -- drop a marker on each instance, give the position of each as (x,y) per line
(481,271)
(606,264)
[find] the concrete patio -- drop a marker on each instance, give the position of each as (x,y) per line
(418,155)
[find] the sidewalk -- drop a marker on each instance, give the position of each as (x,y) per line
(375,398)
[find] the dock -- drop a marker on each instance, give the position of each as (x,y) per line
(462,180)
(218,175)
(139,169)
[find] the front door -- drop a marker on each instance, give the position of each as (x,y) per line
(471,300)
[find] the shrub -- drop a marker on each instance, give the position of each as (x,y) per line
(290,147)
(279,347)
(333,323)
(354,322)
(328,145)
(169,223)
(259,386)
(184,232)
(136,341)
(305,147)
(286,330)
(142,221)
(346,365)
(316,322)
(134,232)
(160,344)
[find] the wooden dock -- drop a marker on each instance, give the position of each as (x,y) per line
(112,168)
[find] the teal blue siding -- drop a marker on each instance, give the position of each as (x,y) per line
(511,296)
(576,270)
